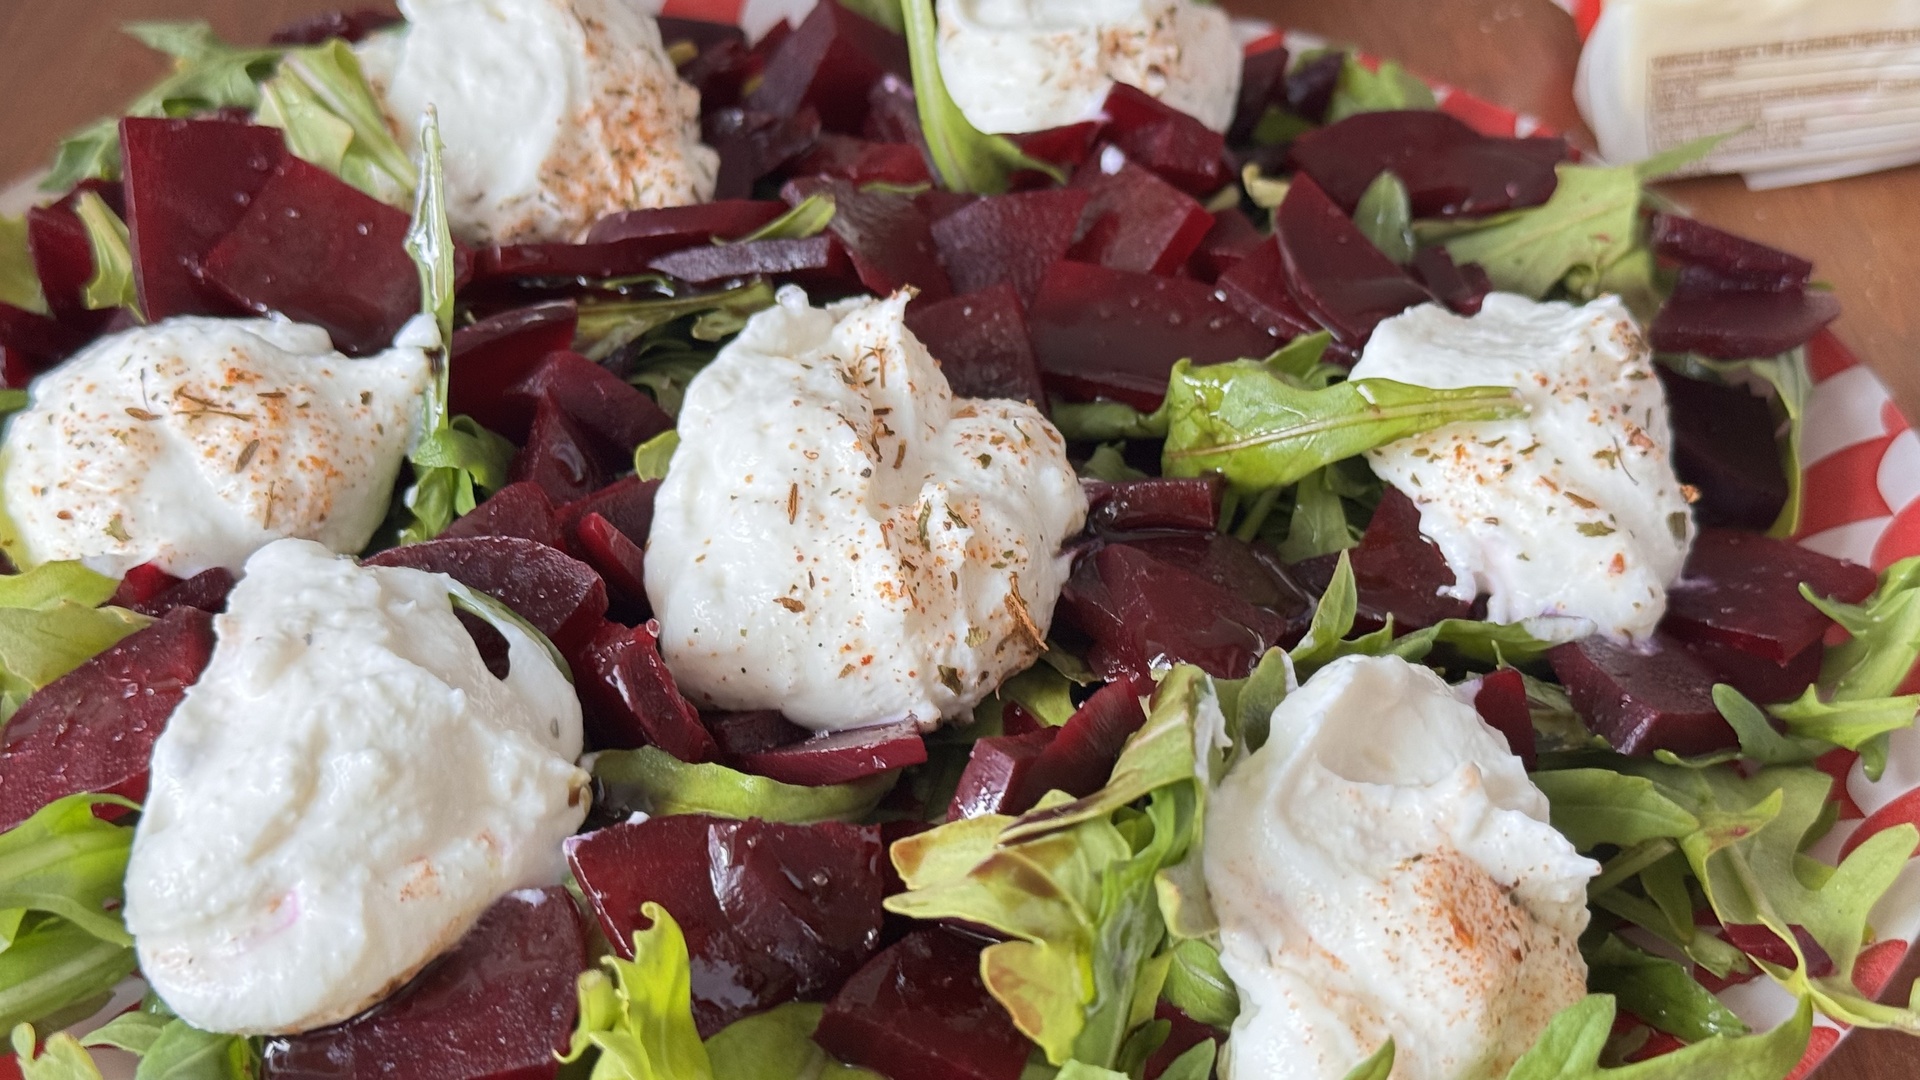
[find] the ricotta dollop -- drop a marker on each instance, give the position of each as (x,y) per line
(1027,65)
(840,538)
(194,442)
(342,794)
(1573,510)
(554,112)
(1383,867)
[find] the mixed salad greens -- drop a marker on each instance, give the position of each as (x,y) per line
(1087,947)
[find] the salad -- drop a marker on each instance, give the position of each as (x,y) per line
(967,542)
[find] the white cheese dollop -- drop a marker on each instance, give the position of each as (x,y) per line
(554,112)
(1027,65)
(1573,510)
(193,442)
(1383,867)
(342,794)
(840,538)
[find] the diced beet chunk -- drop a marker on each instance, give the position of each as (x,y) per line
(1167,142)
(1695,243)
(206,591)
(1736,325)
(1109,333)
(621,244)
(62,258)
(1502,702)
(1396,571)
(520,509)
(1185,1034)
(1010,239)
(559,595)
(1743,589)
(862,161)
(1311,83)
(39,339)
(815,261)
(349,26)
(1158,502)
(1723,444)
(841,756)
(1080,761)
(628,697)
(1461,288)
(627,504)
(983,344)
(1138,609)
(1136,221)
(498,1006)
(1759,679)
(188,183)
(829,62)
(1232,238)
(998,773)
(886,235)
(770,912)
(1250,571)
(316,250)
(1449,169)
(613,415)
(496,353)
(920,1010)
(1263,84)
(743,733)
(753,143)
(1257,287)
(1337,275)
(620,560)
(142,585)
(1067,147)
(93,729)
(560,455)
(1643,701)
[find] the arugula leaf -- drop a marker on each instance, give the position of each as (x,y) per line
(641,1019)
(1885,636)
(1043,691)
(1385,217)
(1194,1063)
(1857,724)
(1108,463)
(1106,421)
(320,98)
(40,644)
(1333,619)
(1245,421)
(19,280)
(1378,1066)
(1319,524)
(112,284)
(1263,191)
(54,973)
(1659,991)
(184,1052)
(66,862)
(1197,985)
(654,781)
(1599,806)
(1388,88)
(135,1032)
(809,217)
(1570,1049)
(651,458)
(62,1058)
(53,582)
(966,159)
(606,326)
(778,1045)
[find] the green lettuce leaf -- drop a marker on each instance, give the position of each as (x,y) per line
(62,1058)
(112,284)
(1318,524)
(1570,1049)
(651,458)
(1387,88)
(1108,463)
(135,1032)
(183,1052)
(1106,421)
(51,583)
(641,1018)
(1198,986)
(66,862)
(966,159)
(19,280)
(1884,640)
(606,326)
(40,644)
(809,217)
(320,98)
(1378,1066)
(778,1045)
(1659,991)
(1385,217)
(55,973)
(1263,191)
(651,780)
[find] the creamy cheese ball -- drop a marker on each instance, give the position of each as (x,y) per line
(194,442)
(1402,882)
(1027,65)
(1573,510)
(342,794)
(840,538)
(554,112)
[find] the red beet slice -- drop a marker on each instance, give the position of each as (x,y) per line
(1136,221)
(770,912)
(1263,84)
(829,62)
(349,26)
(983,344)
(559,595)
(753,143)
(1252,572)
(1735,325)
(886,235)
(919,1009)
(1743,589)
(621,244)
(1169,143)
(1461,288)
(626,504)
(1502,702)
(498,1006)
(722,71)
(841,756)
(629,698)
(1231,239)
(206,591)
(1310,86)
(498,351)
(862,161)
(619,560)
(1185,1034)
(1760,942)
(38,339)
(1010,239)
(997,779)
(1642,702)
(1138,609)
(1757,678)
(1723,444)
(1396,571)
(188,183)
(743,733)
(1695,243)
(1067,147)
(1080,761)
(62,258)
(1449,169)
(93,728)
(142,585)
(1337,275)
(614,417)
(520,509)
(1158,502)
(1257,287)
(1109,333)
(316,250)
(559,456)
(815,261)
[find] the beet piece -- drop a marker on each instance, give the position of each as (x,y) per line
(1743,589)
(983,344)
(919,1009)
(752,144)
(938,203)
(493,354)
(1139,609)
(861,161)
(997,777)
(1642,702)
(1109,333)
(1502,702)
(1695,243)
(743,733)
(206,591)
(1232,238)
(93,728)
(188,183)
(621,244)
(560,457)
(1759,941)
(721,72)
(626,504)
(318,251)
(1461,288)
(1249,571)
(1067,147)
(1760,680)
(498,1006)
(1263,84)
(62,258)
(1009,238)
(700,33)
(1080,761)
(1185,1034)
(1256,286)
(829,62)
(1158,502)
(1723,444)
(619,560)
(1310,86)
(142,585)
(1167,142)
(520,509)
(819,259)
(348,26)
(36,337)
(1337,275)
(1136,221)
(770,912)
(629,697)
(1735,325)
(613,415)
(885,233)
(559,595)
(1449,169)
(841,756)
(1396,571)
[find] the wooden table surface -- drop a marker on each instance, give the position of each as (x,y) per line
(63,64)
